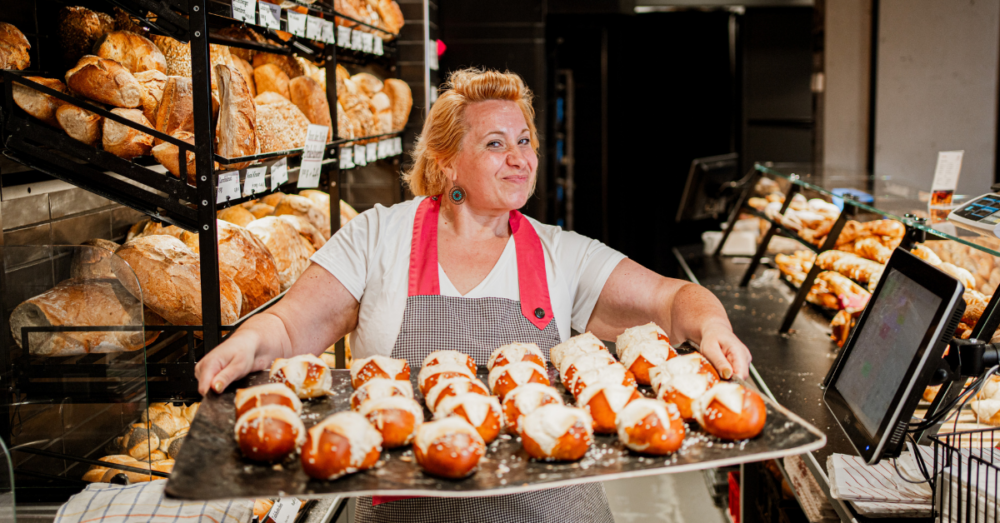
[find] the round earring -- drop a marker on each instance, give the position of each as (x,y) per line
(457,195)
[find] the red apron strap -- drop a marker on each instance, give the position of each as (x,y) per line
(424,250)
(533,285)
(378,500)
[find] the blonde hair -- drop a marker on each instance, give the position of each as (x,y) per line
(445,125)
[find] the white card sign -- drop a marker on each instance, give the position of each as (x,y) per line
(377,48)
(346,157)
(367,43)
(949,166)
(296,23)
(279,173)
(383,149)
(356,37)
(312,156)
(344,36)
(270,15)
(328,35)
(245,10)
(314,28)
(360,157)
(254,182)
(229,187)
(397,145)
(371,152)
(283,511)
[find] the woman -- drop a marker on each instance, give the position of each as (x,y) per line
(460,268)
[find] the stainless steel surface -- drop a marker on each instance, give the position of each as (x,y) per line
(80,228)
(75,201)
(21,212)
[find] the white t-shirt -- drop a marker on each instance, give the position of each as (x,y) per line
(371,258)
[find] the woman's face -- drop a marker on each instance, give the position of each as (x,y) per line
(495,164)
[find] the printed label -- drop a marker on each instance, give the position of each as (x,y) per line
(229,187)
(254,182)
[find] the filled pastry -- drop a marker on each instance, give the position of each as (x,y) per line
(306,375)
(269,433)
(396,419)
(526,399)
(650,427)
(557,433)
(730,411)
(449,447)
(505,379)
(450,356)
(379,388)
(514,353)
(378,367)
(340,444)
(267,394)
(482,412)
(453,387)
(578,345)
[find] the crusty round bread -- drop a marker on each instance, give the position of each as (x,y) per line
(176,55)
(93,259)
(367,82)
(281,126)
(304,207)
(288,64)
(310,97)
(236,215)
(401,98)
(269,78)
(168,155)
(123,140)
(135,52)
(716,418)
(291,252)
(79,29)
(260,210)
(13,48)
(153,83)
(305,230)
(176,109)
(245,69)
(80,124)
(320,198)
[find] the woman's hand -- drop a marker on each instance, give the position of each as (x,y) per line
(228,362)
(725,351)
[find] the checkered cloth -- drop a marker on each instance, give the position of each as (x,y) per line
(144,502)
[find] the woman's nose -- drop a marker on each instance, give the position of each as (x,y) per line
(516,159)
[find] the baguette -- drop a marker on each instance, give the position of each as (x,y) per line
(125,141)
(133,51)
(310,98)
(236,131)
(105,81)
(80,124)
(401,99)
(270,78)
(79,29)
(290,250)
(38,104)
(13,48)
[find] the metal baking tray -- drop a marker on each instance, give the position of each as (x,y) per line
(210,465)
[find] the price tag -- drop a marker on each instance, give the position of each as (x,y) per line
(356,37)
(346,157)
(254,182)
(328,36)
(397,145)
(229,187)
(279,173)
(344,36)
(312,156)
(245,10)
(314,28)
(367,43)
(378,47)
(432,55)
(270,15)
(383,149)
(296,23)
(371,152)
(283,511)
(359,155)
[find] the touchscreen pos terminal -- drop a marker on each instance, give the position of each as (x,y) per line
(895,350)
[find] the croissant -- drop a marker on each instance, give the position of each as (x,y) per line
(872,249)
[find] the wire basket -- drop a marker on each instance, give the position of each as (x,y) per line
(967,479)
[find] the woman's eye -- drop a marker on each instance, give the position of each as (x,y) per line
(494,143)
(524,141)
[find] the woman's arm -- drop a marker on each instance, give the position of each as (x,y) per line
(317,311)
(634,295)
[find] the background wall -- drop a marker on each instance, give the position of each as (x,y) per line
(847,82)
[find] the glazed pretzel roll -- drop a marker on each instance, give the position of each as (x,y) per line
(450,447)
(603,401)
(505,379)
(269,433)
(378,367)
(616,373)
(730,411)
(482,412)
(396,418)
(439,357)
(682,389)
(340,444)
(430,376)
(514,353)
(306,375)
(453,387)
(526,399)
(380,388)
(651,427)
(987,411)
(556,433)
(572,366)
(649,331)
(640,356)
(267,394)
(693,363)
(578,345)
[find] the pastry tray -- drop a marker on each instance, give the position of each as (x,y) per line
(211,466)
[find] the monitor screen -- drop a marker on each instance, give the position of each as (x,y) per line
(897,323)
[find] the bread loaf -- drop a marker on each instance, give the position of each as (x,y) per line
(291,252)
(78,302)
(273,199)
(98,474)
(79,29)
(244,258)
(280,126)
(37,104)
(242,33)
(342,76)
(390,14)
(168,155)
(133,51)
(152,82)
(260,210)
(246,70)
(401,98)
(176,55)
(169,275)
(235,133)
(270,97)
(305,229)
(288,64)
(270,78)
(124,141)
(304,207)
(368,83)
(80,124)
(320,198)
(237,215)
(176,108)
(106,81)
(13,48)
(93,260)
(345,129)
(147,227)
(310,98)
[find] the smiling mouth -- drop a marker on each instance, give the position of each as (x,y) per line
(516,179)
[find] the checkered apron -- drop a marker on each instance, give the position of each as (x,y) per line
(477,326)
